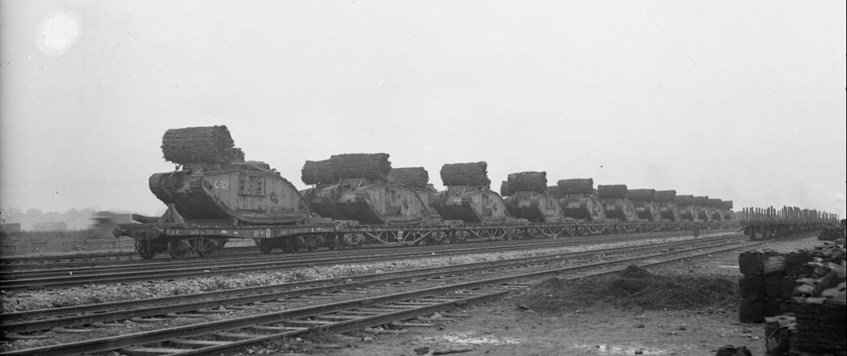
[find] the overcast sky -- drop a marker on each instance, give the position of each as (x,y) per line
(738,100)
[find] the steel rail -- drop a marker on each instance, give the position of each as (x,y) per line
(109,264)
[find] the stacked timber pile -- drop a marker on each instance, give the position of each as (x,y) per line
(504,189)
(612,191)
(212,144)
(469,174)
(685,200)
(416,177)
(665,196)
(803,299)
(641,194)
(528,182)
(318,172)
(361,165)
(576,186)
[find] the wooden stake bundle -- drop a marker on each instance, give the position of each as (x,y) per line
(212,144)
(471,174)
(576,186)
(528,182)
(611,191)
(416,177)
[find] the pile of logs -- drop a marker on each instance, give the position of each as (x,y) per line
(467,174)
(801,295)
(527,182)
(211,144)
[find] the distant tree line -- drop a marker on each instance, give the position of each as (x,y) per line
(74,219)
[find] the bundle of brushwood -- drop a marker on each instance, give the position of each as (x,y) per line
(726,204)
(684,199)
(471,174)
(701,201)
(504,189)
(576,186)
(612,191)
(361,165)
(665,196)
(416,177)
(318,172)
(528,182)
(715,203)
(554,191)
(641,194)
(211,144)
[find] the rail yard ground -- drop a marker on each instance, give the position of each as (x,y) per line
(694,314)
(682,309)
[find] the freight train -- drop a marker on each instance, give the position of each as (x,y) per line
(215,195)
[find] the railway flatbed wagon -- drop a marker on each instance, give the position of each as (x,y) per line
(177,237)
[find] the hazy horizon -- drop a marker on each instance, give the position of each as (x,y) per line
(737,101)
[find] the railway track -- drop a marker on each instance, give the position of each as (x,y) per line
(66,277)
(23,263)
(328,305)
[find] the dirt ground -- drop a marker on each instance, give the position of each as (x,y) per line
(510,327)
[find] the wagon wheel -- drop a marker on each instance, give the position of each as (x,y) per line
(357,241)
(292,244)
(313,242)
(264,245)
(145,249)
(435,238)
(178,248)
(459,236)
(204,246)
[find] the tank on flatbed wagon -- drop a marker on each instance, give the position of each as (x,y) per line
(526,197)
(615,203)
(468,197)
(687,210)
(726,210)
(644,202)
(578,199)
(701,206)
(360,190)
(214,184)
(666,200)
(714,207)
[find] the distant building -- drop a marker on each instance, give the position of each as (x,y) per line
(10,228)
(50,226)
